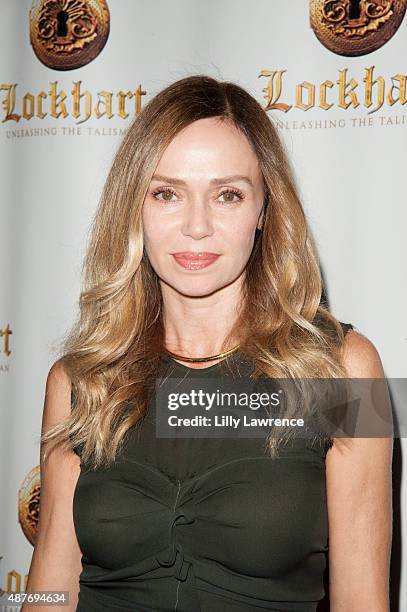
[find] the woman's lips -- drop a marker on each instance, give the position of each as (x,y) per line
(195,261)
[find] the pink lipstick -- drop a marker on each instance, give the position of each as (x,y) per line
(192,260)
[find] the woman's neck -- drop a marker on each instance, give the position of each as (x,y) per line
(198,327)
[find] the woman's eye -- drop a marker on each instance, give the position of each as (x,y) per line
(166,193)
(231,195)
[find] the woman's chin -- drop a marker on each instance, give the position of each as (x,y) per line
(196,287)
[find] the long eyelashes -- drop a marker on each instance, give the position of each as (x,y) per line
(169,190)
(157,192)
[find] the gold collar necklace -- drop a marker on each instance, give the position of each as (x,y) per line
(200,359)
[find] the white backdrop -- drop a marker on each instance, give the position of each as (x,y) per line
(349,163)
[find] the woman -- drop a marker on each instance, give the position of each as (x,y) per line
(201,257)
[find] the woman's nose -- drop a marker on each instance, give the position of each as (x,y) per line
(197,221)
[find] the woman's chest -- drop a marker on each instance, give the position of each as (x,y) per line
(268,514)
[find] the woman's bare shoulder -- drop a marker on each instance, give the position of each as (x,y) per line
(57,404)
(361,357)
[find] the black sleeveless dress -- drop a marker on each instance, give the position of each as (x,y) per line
(202,525)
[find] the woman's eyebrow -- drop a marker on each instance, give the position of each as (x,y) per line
(216,181)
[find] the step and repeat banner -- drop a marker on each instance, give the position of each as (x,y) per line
(332,76)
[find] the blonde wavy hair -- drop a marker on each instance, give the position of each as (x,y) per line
(112,352)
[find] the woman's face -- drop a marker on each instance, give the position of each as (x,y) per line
(202,208)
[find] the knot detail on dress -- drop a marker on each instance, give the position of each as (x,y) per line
(183,515)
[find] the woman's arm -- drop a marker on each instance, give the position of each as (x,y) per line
(360,504)
(56,560)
